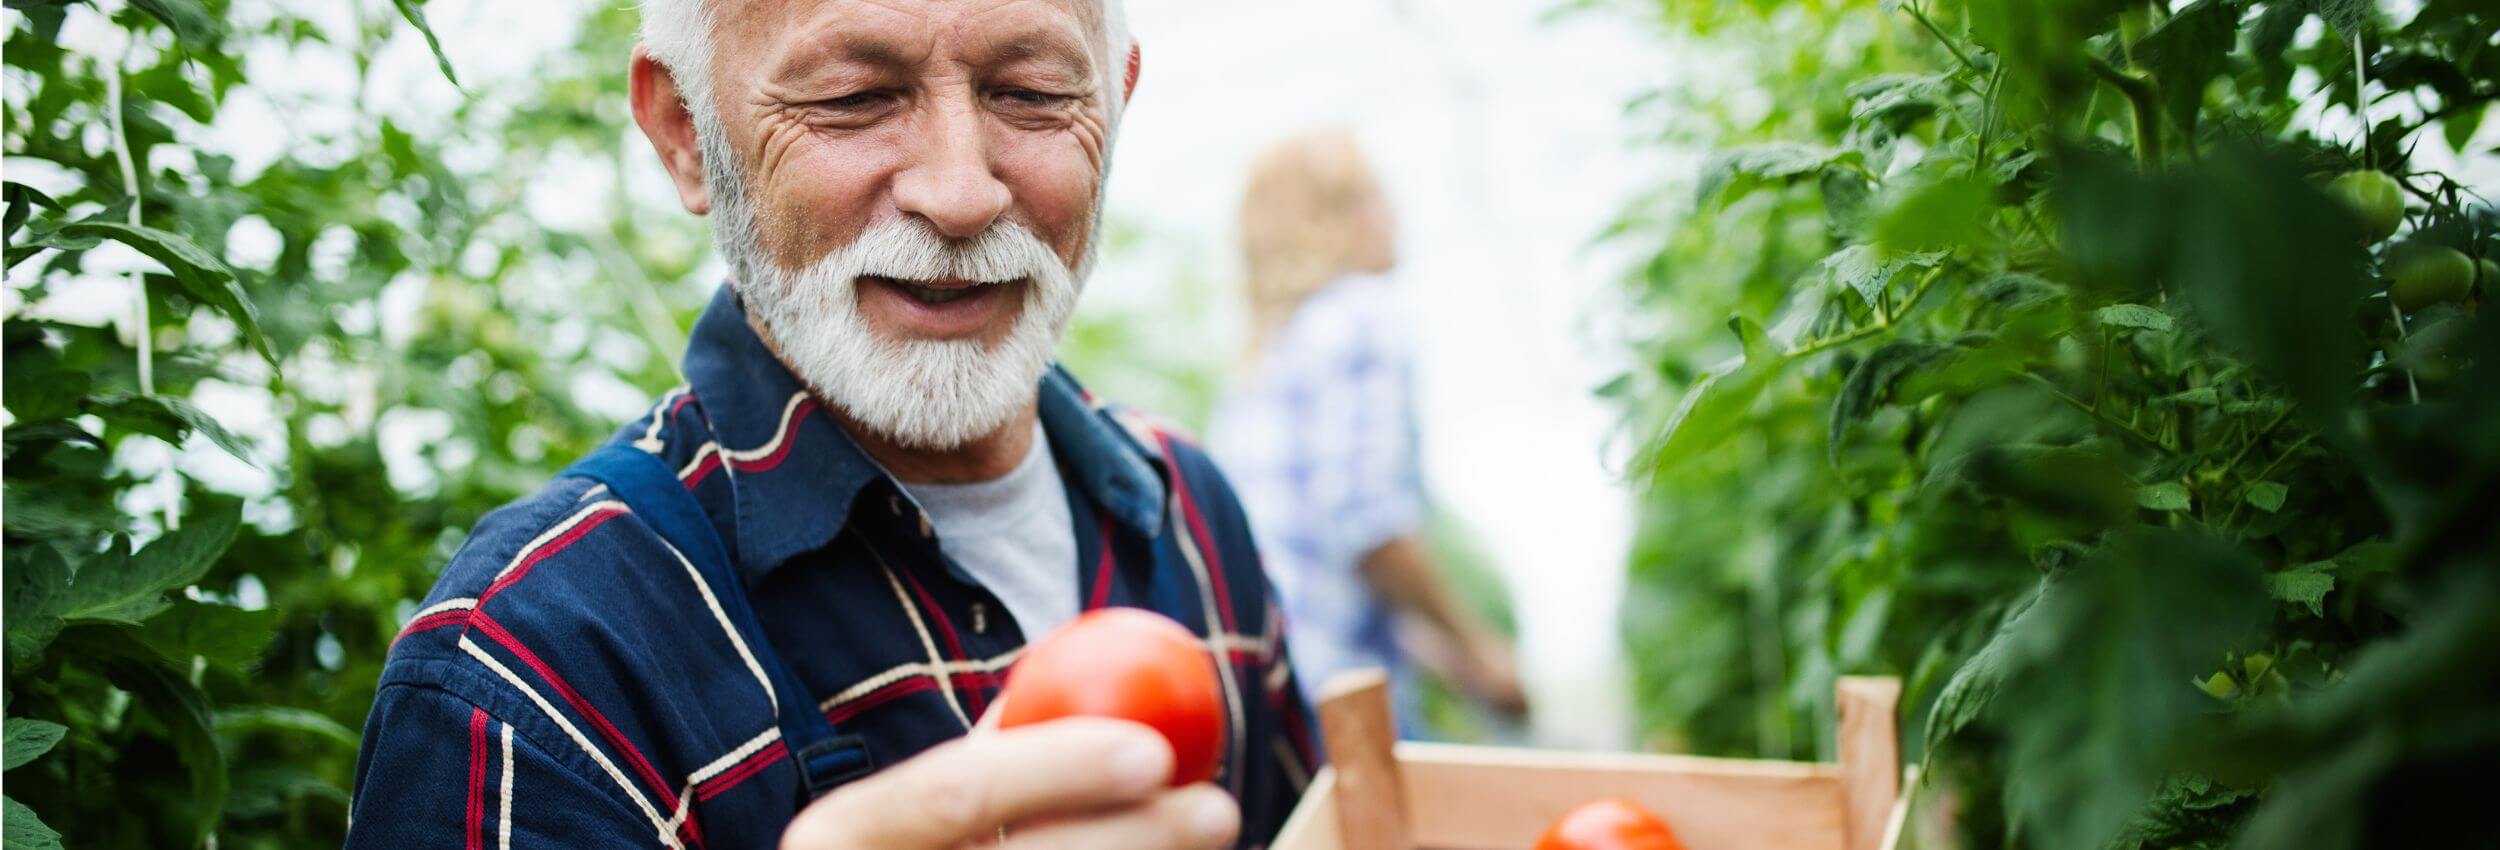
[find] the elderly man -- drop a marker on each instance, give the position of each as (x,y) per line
(775,609)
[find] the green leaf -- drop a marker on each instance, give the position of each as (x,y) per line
(2348,17)
(2198,397)
(1972,688)
(36,580)
(164,691)
(2165,496)
(2186,52)
(414,11)
(248,719)
(1868,382)
(24,830)
(1869,271)
(32,516)
(2266,495)
(2459,126)
(2305,586)
(2136,316)
(1738,173)
(1936,213)
(29,738)
(203,277)
(132,588)
(2098,689)
(190,21)
(1717,405)
(229,637)
(22,199)
(167,418)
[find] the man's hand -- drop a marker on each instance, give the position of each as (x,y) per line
(1075,783)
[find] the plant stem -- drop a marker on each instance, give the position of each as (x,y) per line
(2143,100)
(2105,419)
(2361,101)
(1921,16)
(2253,439)
(2412,390)
(169,482)
(2294,448)
(1831,342)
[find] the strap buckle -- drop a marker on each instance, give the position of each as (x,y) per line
(827,764)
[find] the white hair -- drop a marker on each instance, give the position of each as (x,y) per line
(678,34)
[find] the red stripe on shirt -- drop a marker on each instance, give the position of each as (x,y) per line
(753,765)
(1102,572)
(946,628)
(582,706)
(1198,530)
(772,755)
(710,462)
(542,553)
(439,619)
(477,779)
(788,438)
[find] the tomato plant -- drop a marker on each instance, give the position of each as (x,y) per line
(2067,383)
(1608,825)
(1131,664)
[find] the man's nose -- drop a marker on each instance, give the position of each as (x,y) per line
(950,183)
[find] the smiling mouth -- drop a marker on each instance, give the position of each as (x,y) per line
(935,292)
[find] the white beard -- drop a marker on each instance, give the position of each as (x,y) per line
(926,393)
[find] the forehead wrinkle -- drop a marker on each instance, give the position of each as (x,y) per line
(841,33)
(1036,33)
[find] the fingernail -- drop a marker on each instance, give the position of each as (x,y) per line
(1215,819)
(1142,764)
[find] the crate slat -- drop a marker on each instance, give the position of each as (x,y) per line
(1484,798)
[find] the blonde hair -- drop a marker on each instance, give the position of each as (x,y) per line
(1301,222)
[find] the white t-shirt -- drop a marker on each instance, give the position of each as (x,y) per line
(1015,534)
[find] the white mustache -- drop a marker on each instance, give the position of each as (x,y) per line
(906,249)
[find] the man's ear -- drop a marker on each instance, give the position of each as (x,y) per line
(661,111)
(1128,84)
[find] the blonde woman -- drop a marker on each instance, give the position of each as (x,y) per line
(1319,437)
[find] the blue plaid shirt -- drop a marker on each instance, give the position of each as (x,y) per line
(1321,441)
(571,681)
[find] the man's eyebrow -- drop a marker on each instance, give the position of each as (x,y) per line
(1045,48)
(813,57)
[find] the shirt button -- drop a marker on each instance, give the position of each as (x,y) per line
(894,505)
(980,618)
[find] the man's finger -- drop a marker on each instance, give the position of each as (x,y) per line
(1200,817)
(967,788)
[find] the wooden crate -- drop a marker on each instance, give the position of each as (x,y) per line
(1381,794)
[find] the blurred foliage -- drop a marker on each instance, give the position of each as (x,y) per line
(385,344)
(2019,348)
(358,343)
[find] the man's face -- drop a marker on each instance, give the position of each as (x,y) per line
(849,114)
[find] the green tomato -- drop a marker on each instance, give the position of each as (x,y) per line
(2428,275)
(2487,273)
(2374,197)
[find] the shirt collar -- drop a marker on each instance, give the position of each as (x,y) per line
(797,476)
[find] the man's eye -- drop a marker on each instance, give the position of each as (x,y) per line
(857,101)
(1028,97)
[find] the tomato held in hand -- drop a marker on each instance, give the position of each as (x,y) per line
(1130,664)
(1609,825)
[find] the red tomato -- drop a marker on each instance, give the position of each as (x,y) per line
(1131,664)
(1609,825)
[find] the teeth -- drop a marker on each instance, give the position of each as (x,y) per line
(938,295)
